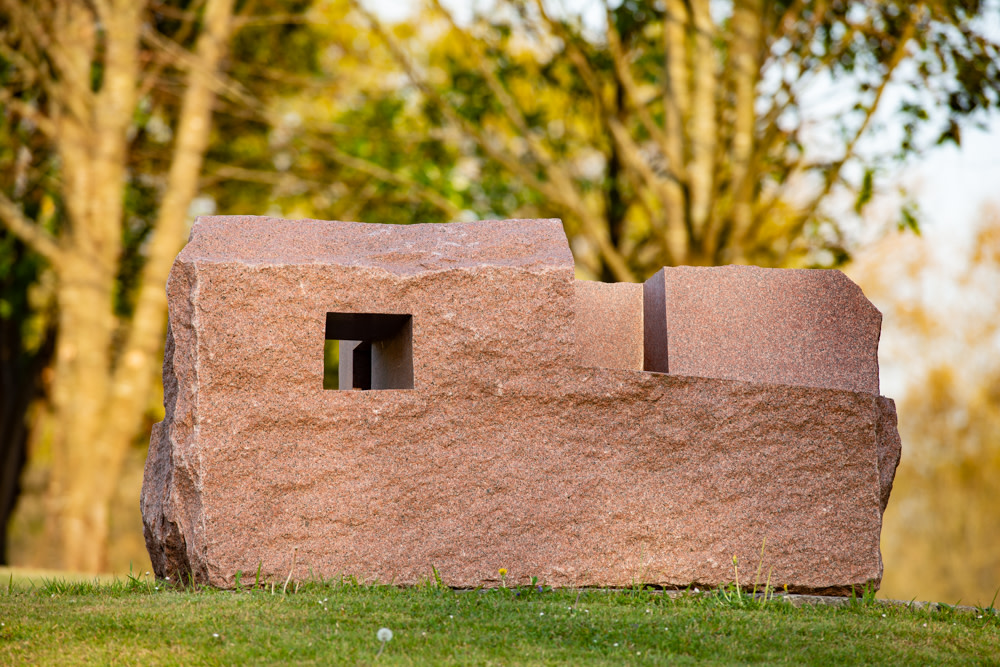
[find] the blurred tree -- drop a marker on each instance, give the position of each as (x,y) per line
(26,326)
(27,339)
(941,533)
(78,74)
(326,132)
(697,132)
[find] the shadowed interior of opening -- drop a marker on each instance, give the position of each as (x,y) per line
(367,351)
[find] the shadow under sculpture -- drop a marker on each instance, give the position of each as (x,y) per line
(500,413)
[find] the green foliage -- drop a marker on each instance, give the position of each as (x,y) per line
(539,99)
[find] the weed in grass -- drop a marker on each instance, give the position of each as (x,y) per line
(867,597)
(384,635)
(734,595)
(295,554)
(992,609)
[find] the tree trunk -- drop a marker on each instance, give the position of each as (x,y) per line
(744,68)
(20,385)
(104,367)
(101,395)
(80,483)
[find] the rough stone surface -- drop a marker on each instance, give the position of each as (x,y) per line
(508,452)
(609,324)
(800,327)
(890,447)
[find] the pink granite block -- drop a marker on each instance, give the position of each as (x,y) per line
(801,327)
(506,452)
(609,324)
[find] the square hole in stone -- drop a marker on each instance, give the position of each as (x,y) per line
(367,351)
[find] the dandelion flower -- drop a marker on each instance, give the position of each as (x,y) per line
(502,571)
(383,635)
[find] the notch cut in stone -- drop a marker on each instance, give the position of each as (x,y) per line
(376,350)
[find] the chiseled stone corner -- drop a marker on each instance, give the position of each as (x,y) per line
(497,413)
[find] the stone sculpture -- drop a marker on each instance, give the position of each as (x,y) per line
(496,412)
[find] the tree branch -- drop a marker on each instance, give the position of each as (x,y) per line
(833,174)
(559,189)
(185,60)
(744,67)
(364,166)
(703,118)
(187,19)
(34,236)
(676,82)
(624,74)
(28,112)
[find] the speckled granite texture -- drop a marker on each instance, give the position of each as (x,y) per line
(787,326)
(509,451)
(609,324)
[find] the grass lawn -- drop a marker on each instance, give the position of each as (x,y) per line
(142,621)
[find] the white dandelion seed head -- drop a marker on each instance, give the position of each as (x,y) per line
(384,634)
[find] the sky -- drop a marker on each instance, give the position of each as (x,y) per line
(953,183)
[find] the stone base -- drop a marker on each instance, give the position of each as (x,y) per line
(604,478)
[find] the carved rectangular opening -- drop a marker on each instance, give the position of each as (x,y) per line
(374,350)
